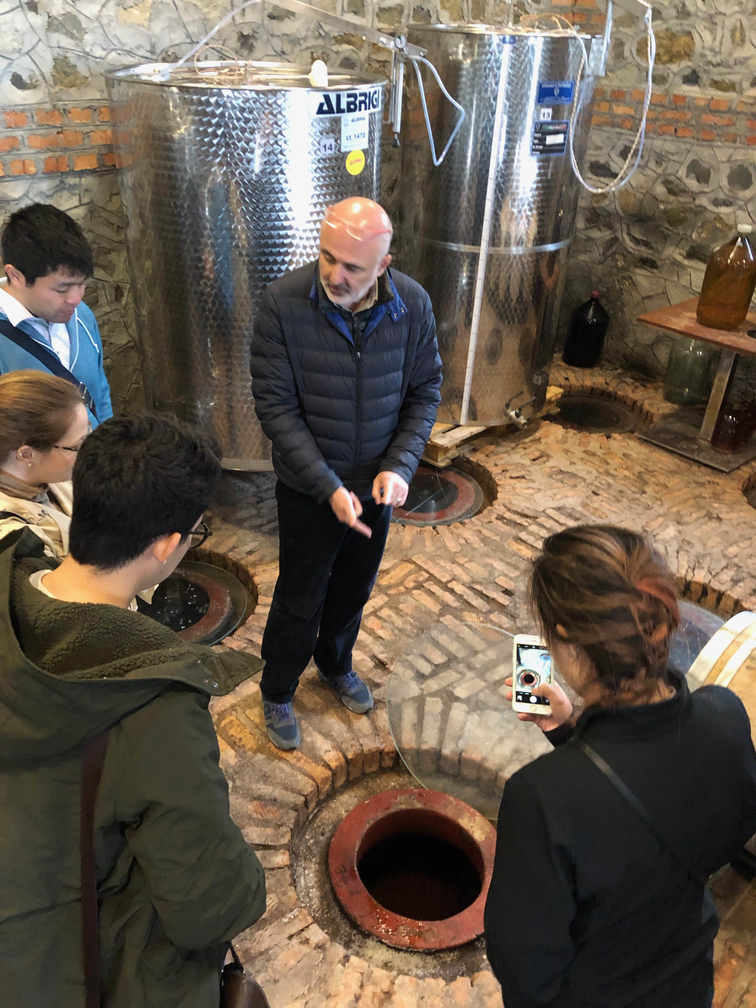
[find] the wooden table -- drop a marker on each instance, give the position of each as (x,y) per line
(684,432)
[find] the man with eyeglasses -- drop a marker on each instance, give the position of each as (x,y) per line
(176,879)
(44,324)
(346,378)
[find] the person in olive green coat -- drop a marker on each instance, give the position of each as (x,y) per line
(176,879)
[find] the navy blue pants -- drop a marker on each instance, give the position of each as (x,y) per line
(326,574)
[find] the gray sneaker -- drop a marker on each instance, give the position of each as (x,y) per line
(281,724)
(353,692)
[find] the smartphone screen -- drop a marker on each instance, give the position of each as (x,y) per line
(533,669)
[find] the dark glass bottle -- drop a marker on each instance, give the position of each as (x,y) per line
(735,425)
(586,332)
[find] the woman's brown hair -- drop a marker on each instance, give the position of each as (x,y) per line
(36,409)
(611,595)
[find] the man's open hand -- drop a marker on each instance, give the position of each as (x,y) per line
(390,488)
(347,508)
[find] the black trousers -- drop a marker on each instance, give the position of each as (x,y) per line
(326,574)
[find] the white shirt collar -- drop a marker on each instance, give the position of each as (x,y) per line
(54,334)
(13,309)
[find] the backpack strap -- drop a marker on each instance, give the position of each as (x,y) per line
(48,359)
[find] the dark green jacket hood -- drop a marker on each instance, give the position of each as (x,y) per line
(70,671)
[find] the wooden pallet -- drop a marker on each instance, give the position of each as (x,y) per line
(446,440)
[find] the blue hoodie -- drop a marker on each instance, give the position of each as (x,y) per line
(86,357)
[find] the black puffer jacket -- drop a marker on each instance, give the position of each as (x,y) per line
(338,414)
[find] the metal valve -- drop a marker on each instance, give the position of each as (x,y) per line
(515,415)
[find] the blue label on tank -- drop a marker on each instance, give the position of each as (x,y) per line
(509,39)
(555,92)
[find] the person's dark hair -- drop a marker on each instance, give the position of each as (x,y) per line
(137,477)
(36,409)
(40,239)
(612,596)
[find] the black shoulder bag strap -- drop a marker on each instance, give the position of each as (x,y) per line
(48,358)
(630,798)
(12,514)
(91,767)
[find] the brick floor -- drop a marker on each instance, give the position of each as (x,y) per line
(546,478)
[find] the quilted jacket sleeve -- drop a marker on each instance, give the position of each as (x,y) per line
(279,409)
(418,412)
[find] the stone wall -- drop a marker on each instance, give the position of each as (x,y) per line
(647,244)
(643,246)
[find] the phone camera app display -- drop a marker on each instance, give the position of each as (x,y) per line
(533,669)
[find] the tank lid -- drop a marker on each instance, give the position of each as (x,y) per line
(249,75)
(484,29)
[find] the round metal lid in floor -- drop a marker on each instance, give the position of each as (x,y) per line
(579,411)
(440,497)
(200,602)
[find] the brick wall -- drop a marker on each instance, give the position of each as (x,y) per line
(71,138)
(711,120)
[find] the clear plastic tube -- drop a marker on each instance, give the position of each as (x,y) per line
(632,160)
(437,160)
(192,52)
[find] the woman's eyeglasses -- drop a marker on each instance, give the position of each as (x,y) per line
(64,447)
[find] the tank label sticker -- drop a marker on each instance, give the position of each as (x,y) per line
(339,103)
(555,92)
(354,131)
(355,162)
(327,146)
(550,137)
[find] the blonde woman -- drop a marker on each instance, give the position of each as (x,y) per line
(43,423)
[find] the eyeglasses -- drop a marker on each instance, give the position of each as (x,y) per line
(78,446)
(356,229)
(199,536)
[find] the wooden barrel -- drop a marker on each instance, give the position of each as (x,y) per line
(729,659)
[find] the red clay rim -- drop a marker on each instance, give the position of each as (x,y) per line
(218,610)
(467,504)
(478,837)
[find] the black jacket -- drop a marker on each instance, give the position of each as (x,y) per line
(338,414)
(586,909)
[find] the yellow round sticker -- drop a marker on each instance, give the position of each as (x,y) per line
(355,162)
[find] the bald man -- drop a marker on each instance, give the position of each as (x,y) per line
(346,378)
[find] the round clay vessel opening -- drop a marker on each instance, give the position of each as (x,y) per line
(412,867)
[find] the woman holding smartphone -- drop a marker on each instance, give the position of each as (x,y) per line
(43,423)
(598,896)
